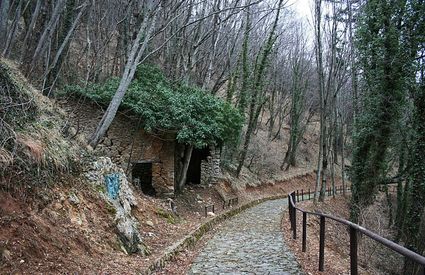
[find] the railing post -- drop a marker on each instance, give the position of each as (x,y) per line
(298,196)
(294,216)
(322,244)
(293,197)
(290,210)
(302,194)
(309,194)
(304,231)
(353,251)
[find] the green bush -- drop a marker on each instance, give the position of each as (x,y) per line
(197,117)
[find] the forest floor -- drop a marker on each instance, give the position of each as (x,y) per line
(68,227)
(49,232)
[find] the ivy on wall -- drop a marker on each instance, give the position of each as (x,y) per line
(197,117)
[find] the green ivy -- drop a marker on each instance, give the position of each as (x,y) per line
(197,117)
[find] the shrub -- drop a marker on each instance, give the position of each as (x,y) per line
(197,117)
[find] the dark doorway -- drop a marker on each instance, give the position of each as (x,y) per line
(142,178)
(194,169)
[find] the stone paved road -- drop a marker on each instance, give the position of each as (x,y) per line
(249,243)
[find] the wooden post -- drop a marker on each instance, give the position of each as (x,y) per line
(290,211)
(322,244)
(309,194)
(353,251)
(294,216)
(298,196)
(302,194)
(304,231)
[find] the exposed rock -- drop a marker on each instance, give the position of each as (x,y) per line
(5,255)
(150,223)
(107,142)
(73,198)
(122,199)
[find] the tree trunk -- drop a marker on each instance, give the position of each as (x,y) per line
(4,9)
(48,32)
(12,32)
(135,55)
(30,28)
(256,104)
(322,146)
(55,66)
(186,162)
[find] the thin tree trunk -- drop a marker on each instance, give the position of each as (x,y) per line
(54,67)
(135,55)
(30,29)
(12,32)
(343,160)
(322,146)
(255,105)
(183,175)
(48,31)
(4,9)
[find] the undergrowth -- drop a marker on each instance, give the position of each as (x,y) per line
(33,149)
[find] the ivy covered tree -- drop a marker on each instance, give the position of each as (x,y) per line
(384,52)
(415,208)
(390,45)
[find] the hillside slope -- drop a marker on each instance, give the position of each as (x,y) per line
(56,213)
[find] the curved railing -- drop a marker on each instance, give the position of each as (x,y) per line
(354,229)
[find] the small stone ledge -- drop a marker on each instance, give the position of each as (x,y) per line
(192,238)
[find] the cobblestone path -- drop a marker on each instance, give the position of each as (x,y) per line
(249,243)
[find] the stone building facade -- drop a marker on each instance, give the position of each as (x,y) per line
(210,167)
(150,160)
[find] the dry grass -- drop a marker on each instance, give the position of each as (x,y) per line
(32,148)
(32,145)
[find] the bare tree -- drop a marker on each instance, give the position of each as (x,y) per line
(135,55)
(4,10)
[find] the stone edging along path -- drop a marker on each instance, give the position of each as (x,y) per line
(196,234)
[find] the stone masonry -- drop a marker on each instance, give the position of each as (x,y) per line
(126,143)
(210,168)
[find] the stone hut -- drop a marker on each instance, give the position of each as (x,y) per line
(151,160)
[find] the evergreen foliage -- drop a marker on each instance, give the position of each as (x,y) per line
(384,58)
(390,43)
(197,117)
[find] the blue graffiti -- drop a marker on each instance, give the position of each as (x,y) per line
(112,182)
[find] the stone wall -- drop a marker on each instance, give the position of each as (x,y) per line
(210,168)
(125,142)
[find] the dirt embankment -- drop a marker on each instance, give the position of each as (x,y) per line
(53,221)
(69,228)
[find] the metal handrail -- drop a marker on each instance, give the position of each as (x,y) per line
(354,229)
